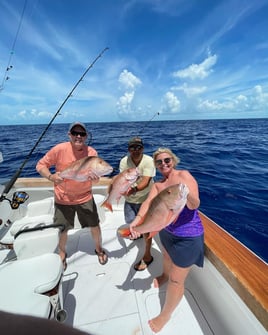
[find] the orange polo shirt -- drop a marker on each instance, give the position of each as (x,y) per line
(69,192)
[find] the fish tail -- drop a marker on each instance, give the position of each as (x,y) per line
(124,232)
(107,205)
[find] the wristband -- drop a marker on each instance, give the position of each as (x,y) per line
(49,177)
(134,188)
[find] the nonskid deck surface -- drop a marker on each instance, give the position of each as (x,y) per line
(114,298)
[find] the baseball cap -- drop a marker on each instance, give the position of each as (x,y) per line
(77,124)
(135,141)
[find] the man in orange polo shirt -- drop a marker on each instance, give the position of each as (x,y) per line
(72,196)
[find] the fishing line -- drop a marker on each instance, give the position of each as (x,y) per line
(116,169)
(138,134)
(9,67)
(18,172)
(146,123)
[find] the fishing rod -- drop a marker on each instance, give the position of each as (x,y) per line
(12,181)
(115,171)
(145,125)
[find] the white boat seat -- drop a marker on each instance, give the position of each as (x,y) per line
(36,243)
(24,282)
(41,207)
(25,222)
(38,212)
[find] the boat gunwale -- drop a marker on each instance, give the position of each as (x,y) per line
(242,269)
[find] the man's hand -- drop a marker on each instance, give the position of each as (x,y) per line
(56,178)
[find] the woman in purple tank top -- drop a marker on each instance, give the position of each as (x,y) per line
(182,239)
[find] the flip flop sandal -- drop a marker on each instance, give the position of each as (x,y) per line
(103,258)
(142,264)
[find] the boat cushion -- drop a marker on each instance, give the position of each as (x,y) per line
(23,282)
(41,207)
(38,212)
(26,222)
(36,243)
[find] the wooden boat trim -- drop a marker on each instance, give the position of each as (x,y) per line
(244,271)
(43,182)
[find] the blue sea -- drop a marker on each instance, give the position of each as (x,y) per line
(229,159)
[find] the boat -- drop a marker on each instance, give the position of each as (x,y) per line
(229,295)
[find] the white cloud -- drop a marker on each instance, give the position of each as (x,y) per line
(259,98)
(124,103)
(254,101)
(171,104)
(190,91)
(197,71)
(128,80)
(22,114)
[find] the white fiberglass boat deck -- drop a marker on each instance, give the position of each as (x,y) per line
(116,299)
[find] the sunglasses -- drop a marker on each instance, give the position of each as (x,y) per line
(76,133)
(162,161)
(135,147)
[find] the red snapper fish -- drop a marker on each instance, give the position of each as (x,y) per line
(119,186)
(163,210)
(84,168)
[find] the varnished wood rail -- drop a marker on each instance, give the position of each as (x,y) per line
(244,271)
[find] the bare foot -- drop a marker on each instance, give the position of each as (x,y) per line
(158,281)
(158,323)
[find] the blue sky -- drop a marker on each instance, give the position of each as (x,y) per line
(167,60)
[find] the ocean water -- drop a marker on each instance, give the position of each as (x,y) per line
(229,159)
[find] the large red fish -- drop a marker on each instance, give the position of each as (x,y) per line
(163,209)
(119,186)
(83,169)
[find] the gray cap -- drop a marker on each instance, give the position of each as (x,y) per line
(135,141)
(77,124)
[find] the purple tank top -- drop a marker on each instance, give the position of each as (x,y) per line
(188,224)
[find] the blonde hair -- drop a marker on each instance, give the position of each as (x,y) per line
(159,151)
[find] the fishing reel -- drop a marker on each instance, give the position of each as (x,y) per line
(18,198)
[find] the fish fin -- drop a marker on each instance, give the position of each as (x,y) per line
(119,197)
(107,205)
(170,217)
(68,175)
(175,219)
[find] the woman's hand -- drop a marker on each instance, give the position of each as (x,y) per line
(184,191)
(134,233)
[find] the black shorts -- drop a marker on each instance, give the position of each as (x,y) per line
(183,251)
(87,214)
